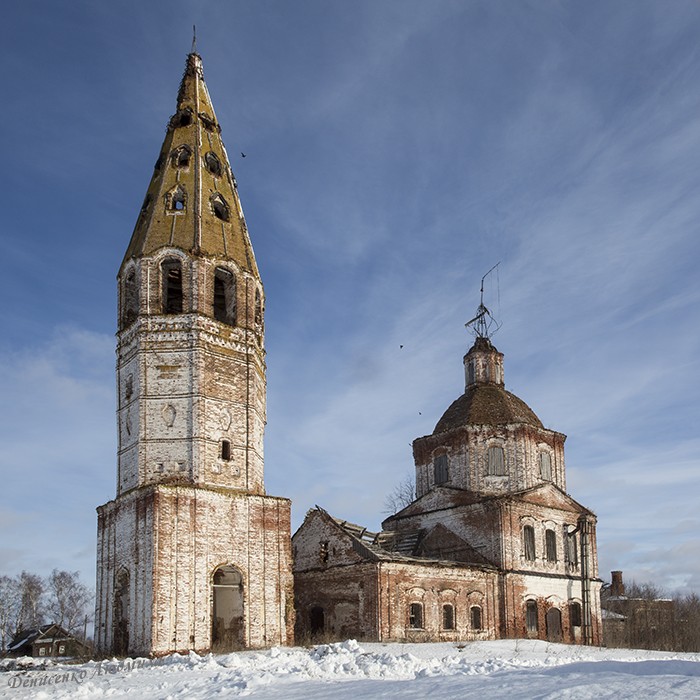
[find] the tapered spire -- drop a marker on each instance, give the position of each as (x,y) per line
(192,202)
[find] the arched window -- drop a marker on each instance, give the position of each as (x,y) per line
(415,616)
(171,274)
(213,164)
(550,543)
(531,615)
(120,639)
(182,117)
(440,469)
(176,199)
(180,157)
(475,617)
(227,622)
(207,121)
(545,466)
(220,207)
(224,296)
(131,299)
(448,616)
(529,542)
(496,462)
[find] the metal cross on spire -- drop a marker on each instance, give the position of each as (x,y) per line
(483,325)
(194,39)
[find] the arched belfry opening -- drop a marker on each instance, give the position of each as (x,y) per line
(227,619)
(171,273)
(224,296)
(121,614)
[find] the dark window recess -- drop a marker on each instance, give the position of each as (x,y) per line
(440,469)
(529,542)
(220,207)
(323,553)
(180,157)
(131,299)
(550,542)
(316,620)
(258,308)
(575,614)
(415,616)
(182,117)
(171,272)
(224,296)
(496,463)
(213,164)
(226,450)
(448,617)
(531,616)
(475,614)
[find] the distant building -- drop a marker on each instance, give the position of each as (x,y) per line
(637,622)
(493,546)
(47,640)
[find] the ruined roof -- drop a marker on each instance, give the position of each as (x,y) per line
(486,404)
(405,546)
(192,202)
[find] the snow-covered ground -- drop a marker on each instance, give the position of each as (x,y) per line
(508,670)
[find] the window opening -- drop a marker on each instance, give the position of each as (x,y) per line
(553,622)
(545,466)
(475,614)
(531,616)
(470,372)
(176,199)
(258,308)
(180,157)
(575,614)
(182,117)
(323,552)
(207,121)
(415,616)
(496,462)
(131,299)
(228,627)
(224,296)
(550,541)
(120,644)
(571,549)
(226,450)
(316,620)
(529,542)
(220,207)
(171,272)
(448,616)
(213,164)
(440,469)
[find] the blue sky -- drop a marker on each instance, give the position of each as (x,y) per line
(396,150)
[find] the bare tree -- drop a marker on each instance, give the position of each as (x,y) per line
(31,591)
(9,609)
(402,495)
(68,600)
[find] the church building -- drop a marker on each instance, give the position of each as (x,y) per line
(192,553)
(492,546)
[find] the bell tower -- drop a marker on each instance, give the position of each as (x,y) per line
(192,554)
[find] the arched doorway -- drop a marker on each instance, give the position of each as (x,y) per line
(317,620)
(227,623)
(553,619)
(120,619)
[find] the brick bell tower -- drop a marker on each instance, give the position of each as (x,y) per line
(191,554)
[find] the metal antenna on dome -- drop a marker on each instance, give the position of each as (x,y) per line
(484,325)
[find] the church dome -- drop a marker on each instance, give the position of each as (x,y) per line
(486,404)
